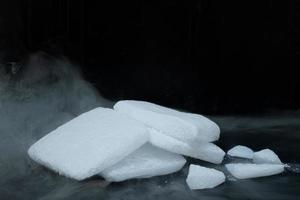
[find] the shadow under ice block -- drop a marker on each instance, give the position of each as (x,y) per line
(146,162)
(89,143)
(186,127)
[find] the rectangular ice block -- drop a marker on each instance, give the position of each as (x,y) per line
(244,171)
(183,126)
(147,161)
(89,143)
(201,150)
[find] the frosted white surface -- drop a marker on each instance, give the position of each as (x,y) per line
(147,161)
(89,143)
(266,156)
(201,150)
(203,177)
(183,126)
(244,171)
(241,152)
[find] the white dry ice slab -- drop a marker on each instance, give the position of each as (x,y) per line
(89,143)
(147,161)
(241,152)
(180,125)
(201,150)
(203,177)
(266,156)
(244,171)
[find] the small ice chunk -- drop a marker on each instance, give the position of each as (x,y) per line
(89,143)
(201,150)
(244,171)
(147,161)
(180,125)
(266,156)
(203,177)
(241,152)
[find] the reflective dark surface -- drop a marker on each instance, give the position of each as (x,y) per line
(27,180)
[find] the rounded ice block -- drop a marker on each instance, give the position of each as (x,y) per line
(201,150)
(89,143)
(203,177)
(241,152)
(183,126)
(266,156)
(244,171)
(147,161)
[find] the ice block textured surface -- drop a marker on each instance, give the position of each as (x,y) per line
(201,150)
(266,156)
(203,177)
(89,143)
(147,161)
(241,152)
(183,126)
(244,171)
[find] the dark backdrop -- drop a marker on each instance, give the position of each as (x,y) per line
(201,55)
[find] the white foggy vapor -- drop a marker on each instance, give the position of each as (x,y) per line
(43,94)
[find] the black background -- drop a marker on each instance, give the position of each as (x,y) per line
(214,57)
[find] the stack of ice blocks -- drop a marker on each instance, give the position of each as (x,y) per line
(135,139)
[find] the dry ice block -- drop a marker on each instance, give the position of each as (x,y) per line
(89,143)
